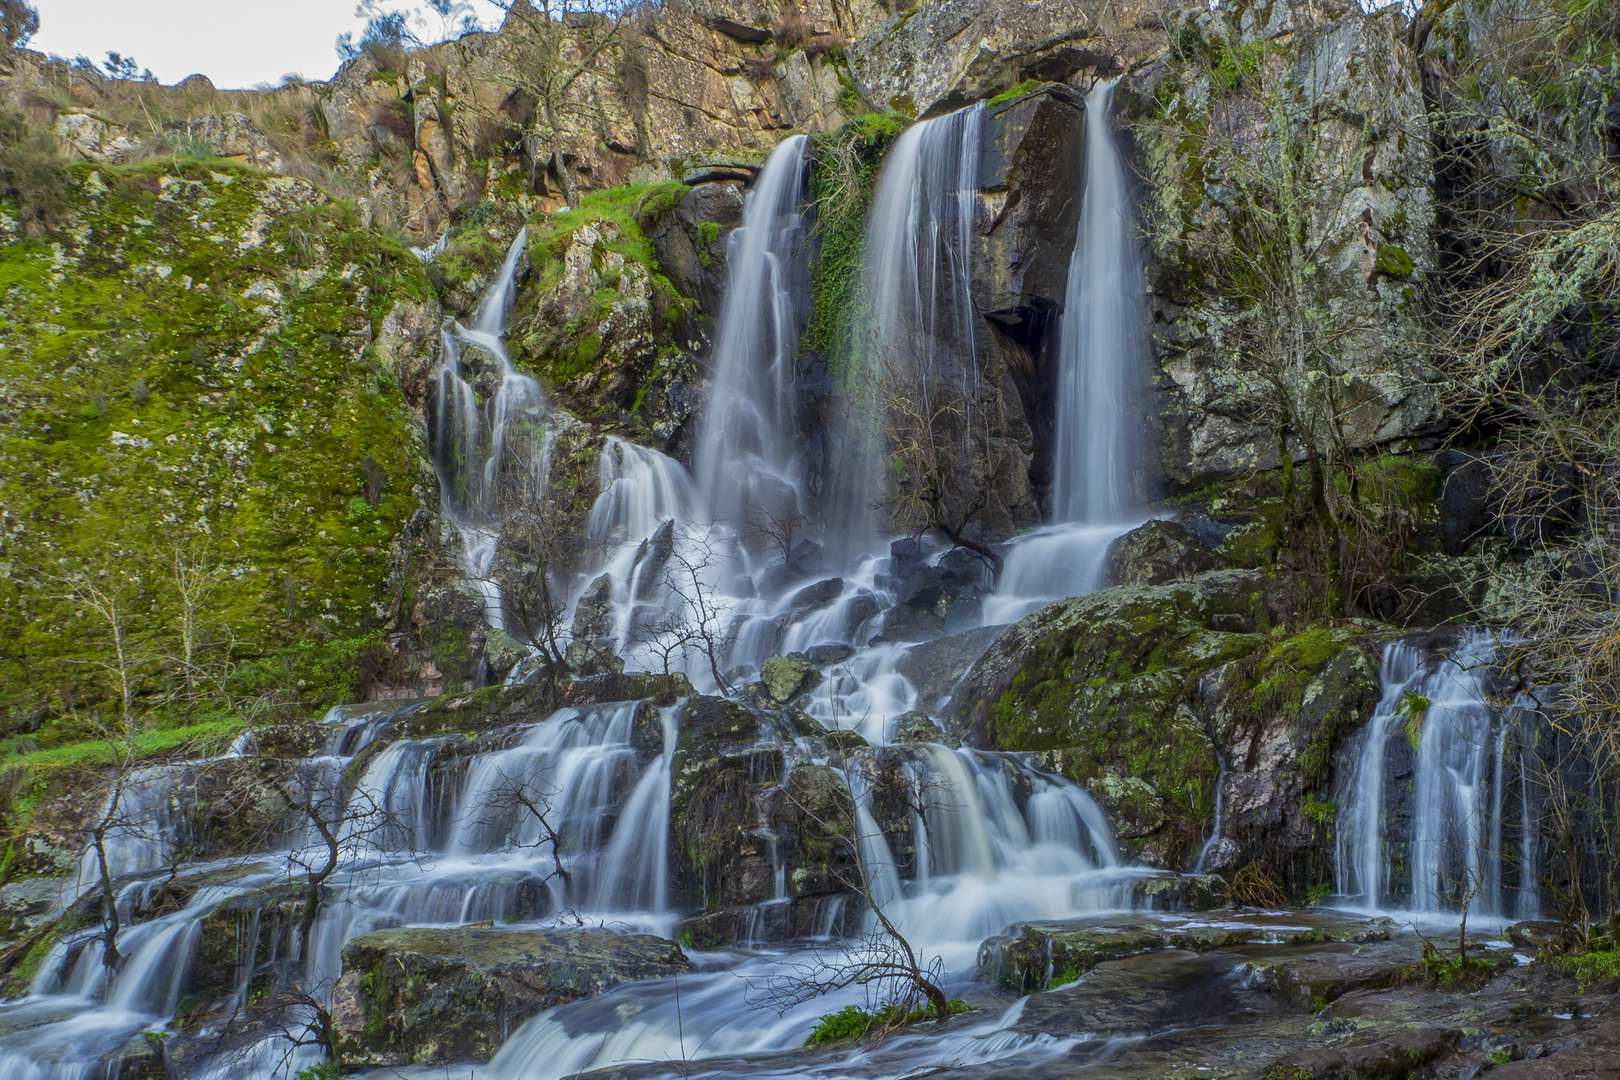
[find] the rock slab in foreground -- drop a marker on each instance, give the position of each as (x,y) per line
(423,996)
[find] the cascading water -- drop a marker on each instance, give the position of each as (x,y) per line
(748,463)
(1451,833)
(1103,341)
(1102,357)
(987,857)
(474,453)
(918,293)
(435,834)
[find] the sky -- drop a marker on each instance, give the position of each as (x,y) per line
(236,43)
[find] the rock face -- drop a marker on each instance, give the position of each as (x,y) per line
(419,996)
(1369,215)
(942,56)
(1040,956)
(736,813)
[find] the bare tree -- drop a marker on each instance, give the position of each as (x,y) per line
(515,799)
(882,958)
(195,575)
(679,614)
(115,596)
(555,53)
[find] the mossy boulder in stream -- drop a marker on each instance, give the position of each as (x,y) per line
(423,996)
(1106,683)
(1148,694)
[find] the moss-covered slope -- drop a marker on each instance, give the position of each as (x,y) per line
(186,365)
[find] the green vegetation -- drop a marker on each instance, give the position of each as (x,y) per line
(1412,708)
(624,258)
(196,410)
(1015,91)
(1589,968)
(1455,969)
(843,178)
(853,1023)
(1321,813)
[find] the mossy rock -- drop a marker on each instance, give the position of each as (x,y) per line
(1103,685)
(424,996)
(189,359)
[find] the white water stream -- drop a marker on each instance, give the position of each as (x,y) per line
(1102,356)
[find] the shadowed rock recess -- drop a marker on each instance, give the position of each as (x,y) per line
(773,538)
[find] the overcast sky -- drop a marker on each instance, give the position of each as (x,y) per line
(236,43)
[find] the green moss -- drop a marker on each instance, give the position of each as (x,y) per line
(211,736)
(1322,813)
(30,964)
(1412,708)
(843,178)
(852,1023)
(1393,261)
(1589,968)
(1019,90)
(1101,687)
(187,355)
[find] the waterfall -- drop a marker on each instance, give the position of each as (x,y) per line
(1103,344)
(748,462)
(1453,841)
(922,330)
(1103,354)
(530,822)
(998,842)
(473,455)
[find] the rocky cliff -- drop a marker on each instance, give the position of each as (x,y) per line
(1380,295)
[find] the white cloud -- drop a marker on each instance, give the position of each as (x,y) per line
(236,43)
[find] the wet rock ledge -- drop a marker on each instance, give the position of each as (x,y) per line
(426,996)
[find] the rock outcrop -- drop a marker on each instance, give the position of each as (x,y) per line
(1150,695)
(420,996)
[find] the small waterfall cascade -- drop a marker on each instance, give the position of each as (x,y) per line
(995,842)
(922,333)
(486,455)
(748,463)
(572,816)
(1103,353)
(1438,809)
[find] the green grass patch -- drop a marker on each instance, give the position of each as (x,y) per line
(853,1023)
(1018,90)
(1589,968)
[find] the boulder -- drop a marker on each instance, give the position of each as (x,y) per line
(818,595)
(1141,692)
(936,667)
(1321,976)
(785,678)
(427,996)
(1400,1053)
(593,615)
(1156,553)
(1035,956)
(828,654)
(919,727)
(503,652)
